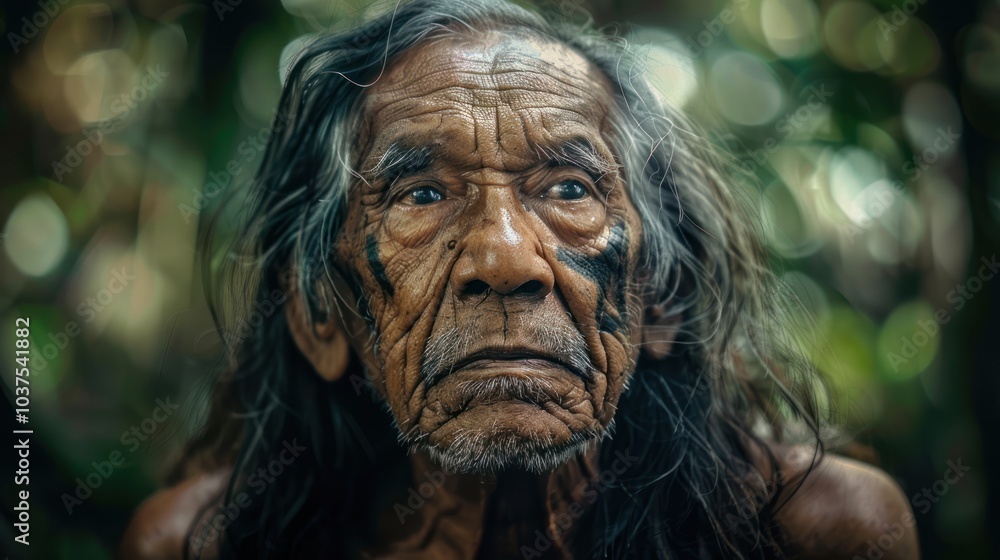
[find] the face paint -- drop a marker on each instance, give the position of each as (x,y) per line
(377,268)
(495,263)
(607,270)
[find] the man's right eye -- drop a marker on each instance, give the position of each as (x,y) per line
(422,196)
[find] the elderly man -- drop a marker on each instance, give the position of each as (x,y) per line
(557,298)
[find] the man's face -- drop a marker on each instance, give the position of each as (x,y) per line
(496,244)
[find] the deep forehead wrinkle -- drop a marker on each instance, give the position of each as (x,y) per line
(488,95)
(501,69)
(514,67)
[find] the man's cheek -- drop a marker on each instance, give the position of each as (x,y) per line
(376,267)
(404,319)
(608,271)
(396,372)
(396,282)
(581,296)
(600,296)
(596,285)
(401,372)
(621,358)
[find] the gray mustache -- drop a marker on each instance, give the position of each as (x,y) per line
(562,342)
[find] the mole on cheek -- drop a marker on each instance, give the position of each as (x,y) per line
(607,269)
(377,268)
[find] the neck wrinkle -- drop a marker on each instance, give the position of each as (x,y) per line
(468,517)
(570,493)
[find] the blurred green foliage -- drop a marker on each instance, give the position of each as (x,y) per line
(128,122)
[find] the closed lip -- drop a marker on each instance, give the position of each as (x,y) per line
(510,354)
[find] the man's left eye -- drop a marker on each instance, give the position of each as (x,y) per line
(567,190)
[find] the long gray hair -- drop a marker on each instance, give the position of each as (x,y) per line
(704,483)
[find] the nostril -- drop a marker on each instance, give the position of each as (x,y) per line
(529,288)
(475,288)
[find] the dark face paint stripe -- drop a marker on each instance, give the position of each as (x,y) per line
(616,254)
(378,269)
(605,270)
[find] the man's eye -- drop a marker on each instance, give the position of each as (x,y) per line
(424,195)
(567,190)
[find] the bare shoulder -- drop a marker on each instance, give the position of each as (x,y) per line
(160,525)
(844,509)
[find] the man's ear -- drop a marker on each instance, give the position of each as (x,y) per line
(323,342)
(659,329)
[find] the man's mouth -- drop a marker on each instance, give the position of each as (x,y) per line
(498,358)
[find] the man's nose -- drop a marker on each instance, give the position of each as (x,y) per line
(501,252)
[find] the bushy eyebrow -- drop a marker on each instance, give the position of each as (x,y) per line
(399,161)
(581,154)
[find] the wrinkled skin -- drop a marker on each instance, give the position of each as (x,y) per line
(482,242)
(488,274)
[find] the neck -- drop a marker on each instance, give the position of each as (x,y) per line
(514,511)
(513,514)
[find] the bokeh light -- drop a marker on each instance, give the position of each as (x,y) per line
(36,237)
(790,27)
(876,199)
(759,97)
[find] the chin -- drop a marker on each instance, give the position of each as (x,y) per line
(505,455)
(507,437)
